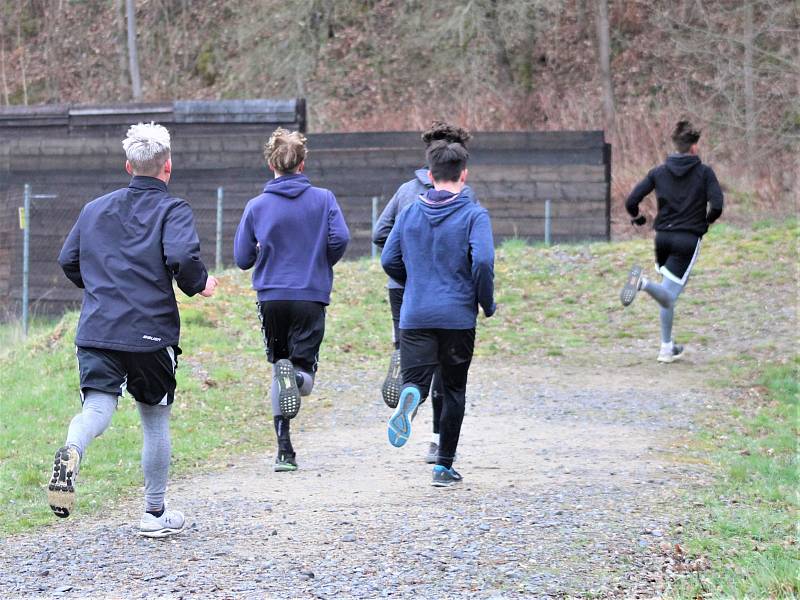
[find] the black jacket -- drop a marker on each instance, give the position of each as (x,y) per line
(685,188)
(124,251)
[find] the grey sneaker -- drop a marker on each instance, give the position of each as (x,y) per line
(433,454)
(444,477)
(668,356)
(632,285)
(288,392)
(393,382)
(61,489)
(170,523)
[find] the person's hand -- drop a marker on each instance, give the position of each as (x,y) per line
(639,221)
(211,285)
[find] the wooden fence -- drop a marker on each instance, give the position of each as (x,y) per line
(75,153)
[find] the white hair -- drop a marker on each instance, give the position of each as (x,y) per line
(147,147)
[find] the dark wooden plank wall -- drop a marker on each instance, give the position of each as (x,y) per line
(512,173)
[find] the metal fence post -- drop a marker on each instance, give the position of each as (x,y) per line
(374,251)
(220,196)
(547,222)
(26,258)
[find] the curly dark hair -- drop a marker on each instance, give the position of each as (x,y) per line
(685,135)
(441,130)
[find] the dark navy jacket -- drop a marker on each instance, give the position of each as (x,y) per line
(443,252)
(687,191)
(293,233)
(124,251)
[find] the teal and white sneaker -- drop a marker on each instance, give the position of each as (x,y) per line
(169,523)
(61,489)
(400,421)
(444,477)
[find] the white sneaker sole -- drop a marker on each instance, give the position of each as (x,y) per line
(160,533)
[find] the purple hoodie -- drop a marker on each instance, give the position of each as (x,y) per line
(293,233)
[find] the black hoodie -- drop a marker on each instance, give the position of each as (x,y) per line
(685,187)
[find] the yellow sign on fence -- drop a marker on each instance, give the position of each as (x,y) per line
(22,217)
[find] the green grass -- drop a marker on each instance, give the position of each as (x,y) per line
(555,302)
(749,531)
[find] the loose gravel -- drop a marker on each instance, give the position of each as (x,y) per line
(570,490)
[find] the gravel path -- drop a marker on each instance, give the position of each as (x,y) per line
(569,490)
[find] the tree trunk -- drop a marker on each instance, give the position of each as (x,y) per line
(604,61)
(122,54)
(133,55)
(749,95)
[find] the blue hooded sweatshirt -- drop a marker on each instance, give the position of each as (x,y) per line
(405,195)
(443,252)
(293,233)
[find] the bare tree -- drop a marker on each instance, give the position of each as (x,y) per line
(604,61)
(133,55)
(749,94)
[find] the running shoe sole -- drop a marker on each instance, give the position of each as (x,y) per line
(393,384)
(631,286)
(160,533)
(61,490)
(400,421)
(289,393)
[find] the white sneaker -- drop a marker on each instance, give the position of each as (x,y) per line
(170,523)
(668,355)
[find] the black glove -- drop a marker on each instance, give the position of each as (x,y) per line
(639,221)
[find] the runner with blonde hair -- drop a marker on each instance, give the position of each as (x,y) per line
(292,234)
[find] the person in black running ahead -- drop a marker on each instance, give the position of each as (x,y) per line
(689,199)
(405,195)
(293,233)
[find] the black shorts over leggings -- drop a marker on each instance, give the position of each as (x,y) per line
(293,329)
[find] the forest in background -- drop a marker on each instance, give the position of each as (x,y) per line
(629,67)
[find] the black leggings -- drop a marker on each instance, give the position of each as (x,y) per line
(448,351)
(396,303)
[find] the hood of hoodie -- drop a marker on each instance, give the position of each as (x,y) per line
(289,186)
(438,213)
(422,177)
(680,164)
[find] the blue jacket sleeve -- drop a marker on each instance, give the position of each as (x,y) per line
(245,244)
(338,233)
(392,254)
(481,246)
(644,187)
(69,258)
(182,249)
(713,196)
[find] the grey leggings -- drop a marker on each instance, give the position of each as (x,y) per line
(666,294)
(94,419)
(305,389)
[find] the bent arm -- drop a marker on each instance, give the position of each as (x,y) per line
(69,257)
(481,245)
(245,244)
(182,250)
(338,233)
(644,187)
(713,196)
(385,222)
(392,256)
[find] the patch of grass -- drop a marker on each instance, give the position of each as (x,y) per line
(554,303)
(749,531)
